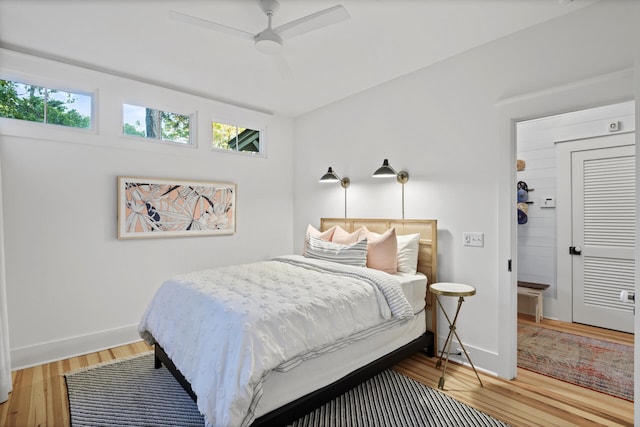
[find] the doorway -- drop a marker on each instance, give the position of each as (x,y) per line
(543,241)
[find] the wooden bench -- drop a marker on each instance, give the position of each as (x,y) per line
(534,290)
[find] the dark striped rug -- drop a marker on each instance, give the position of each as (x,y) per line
(131,392)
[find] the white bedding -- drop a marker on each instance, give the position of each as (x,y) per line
(241,322)
(414,288)
(281,388)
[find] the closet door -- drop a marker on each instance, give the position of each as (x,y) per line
(603,231)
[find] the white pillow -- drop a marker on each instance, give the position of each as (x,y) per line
(408,245)
(354,254)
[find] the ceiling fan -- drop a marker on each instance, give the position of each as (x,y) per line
(270,40)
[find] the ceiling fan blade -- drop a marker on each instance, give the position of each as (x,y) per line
(308,23)
(210,25)
(283,66)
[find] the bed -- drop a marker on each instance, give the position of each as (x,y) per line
(288,368)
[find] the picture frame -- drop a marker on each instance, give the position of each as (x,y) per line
(157,207)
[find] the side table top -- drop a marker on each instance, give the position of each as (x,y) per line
(452,289)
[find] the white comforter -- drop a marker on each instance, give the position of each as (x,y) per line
(227,328)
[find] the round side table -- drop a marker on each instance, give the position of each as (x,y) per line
(459,290)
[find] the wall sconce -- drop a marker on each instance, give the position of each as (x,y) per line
(386,171)
(331,176)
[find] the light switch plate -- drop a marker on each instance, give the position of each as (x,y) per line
(548,202)
(473,239)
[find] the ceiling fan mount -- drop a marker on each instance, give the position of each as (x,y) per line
(268,41)
(269,7)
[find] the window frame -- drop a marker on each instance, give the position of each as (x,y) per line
(193,128)
(262,151)
(93,96)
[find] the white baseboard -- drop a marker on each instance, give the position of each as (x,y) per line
(25,357)
(483,360)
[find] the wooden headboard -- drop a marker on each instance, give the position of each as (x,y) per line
(427,252)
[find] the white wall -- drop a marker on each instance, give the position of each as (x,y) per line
(636,352)
(452,126)
(538,238)
(72,286)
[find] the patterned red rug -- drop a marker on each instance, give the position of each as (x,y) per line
(587,362)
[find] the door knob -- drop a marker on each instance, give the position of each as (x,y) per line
(575,250)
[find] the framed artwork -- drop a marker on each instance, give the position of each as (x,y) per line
(149,207)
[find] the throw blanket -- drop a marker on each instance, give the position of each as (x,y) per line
(227,328)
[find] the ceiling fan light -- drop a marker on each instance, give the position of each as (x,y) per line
(268,42)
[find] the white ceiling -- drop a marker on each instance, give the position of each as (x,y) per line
(383,40)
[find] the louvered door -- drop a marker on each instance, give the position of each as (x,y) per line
(603,205)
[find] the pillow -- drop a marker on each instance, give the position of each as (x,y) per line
(408,253)
(344,237)
(382,250)
(354,254)
(312,231)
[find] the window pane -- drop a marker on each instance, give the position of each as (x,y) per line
(175,127)
(68,109)
(134,120)
(156,124)
(20,101)
(38,104)
(249,141)
(230,137)
(224,136)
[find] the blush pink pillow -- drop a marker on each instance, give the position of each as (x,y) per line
(382,250)
(323,235)
(345,238)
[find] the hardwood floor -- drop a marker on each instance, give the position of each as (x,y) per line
(531,399)
(39,397)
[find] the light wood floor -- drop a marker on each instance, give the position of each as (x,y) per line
(531,399)
(39,397)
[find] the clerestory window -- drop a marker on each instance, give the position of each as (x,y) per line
(235,138)
(22,101)
(156,124)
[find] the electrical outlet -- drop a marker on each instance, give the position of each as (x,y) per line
(473,239)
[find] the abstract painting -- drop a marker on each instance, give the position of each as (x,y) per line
(149,207)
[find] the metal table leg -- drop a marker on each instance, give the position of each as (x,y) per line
(449,340)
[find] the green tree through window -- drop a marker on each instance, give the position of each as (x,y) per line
(39,104)
(155,124)
(234,138)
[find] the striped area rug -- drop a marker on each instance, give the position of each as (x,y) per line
(131,392)
(391,400)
